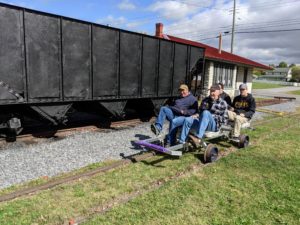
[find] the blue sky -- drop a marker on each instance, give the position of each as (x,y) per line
(198,20)
(111,12)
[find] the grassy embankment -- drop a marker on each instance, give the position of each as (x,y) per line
(258,185)
(294,92)
(256,85)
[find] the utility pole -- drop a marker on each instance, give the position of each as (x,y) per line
(220,43)
(233,26)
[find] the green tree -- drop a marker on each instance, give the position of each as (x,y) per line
(296,73)
(282,65)
(292,65)
(272,65)
(257,72)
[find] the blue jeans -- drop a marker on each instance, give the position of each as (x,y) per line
(164,112)
(205,123)
(176,122)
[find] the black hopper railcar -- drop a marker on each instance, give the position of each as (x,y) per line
(52,65)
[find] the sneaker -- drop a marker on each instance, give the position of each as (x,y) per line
(195,141)
(154,129)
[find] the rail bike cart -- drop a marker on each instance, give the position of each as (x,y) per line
(157,144)
(224,132)
(210,150)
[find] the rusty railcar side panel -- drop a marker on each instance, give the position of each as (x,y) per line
(46,58)
(42,41)
(11,53)
(105,62)
(76,58)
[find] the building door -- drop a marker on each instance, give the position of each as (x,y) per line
(245,75)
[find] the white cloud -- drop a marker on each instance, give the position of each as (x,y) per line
(126,5)
(132,25)
(121,22)
(176,10)
(112,21)
(253,16)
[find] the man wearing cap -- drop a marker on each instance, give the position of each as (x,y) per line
(185,105)
(242,110)
(212,114)
(224,95)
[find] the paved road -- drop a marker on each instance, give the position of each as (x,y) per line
(277,92)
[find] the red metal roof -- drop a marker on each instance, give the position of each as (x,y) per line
(213,53)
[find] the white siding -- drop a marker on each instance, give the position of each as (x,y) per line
(238,77)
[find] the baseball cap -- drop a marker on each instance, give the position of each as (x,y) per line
(243,86)
(183,87)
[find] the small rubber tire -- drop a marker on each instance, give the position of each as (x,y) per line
(243,141)
(211,153)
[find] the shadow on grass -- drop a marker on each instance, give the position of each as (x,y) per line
(165,157)
(135,146)
(200,156)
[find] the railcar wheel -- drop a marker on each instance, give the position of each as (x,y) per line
(11,135)
(243,141)
(211,153)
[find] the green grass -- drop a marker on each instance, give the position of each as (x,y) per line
(258,185)
(294,92)
(261,99)
(257,85)
(66,201)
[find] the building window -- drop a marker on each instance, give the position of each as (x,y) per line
(223,73)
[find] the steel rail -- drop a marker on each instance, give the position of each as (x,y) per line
(30,190)
(68,131)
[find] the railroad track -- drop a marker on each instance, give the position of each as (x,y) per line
(35,137)
(267,102)
(51,184)
(126,161)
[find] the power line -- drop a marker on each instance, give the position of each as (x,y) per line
(272,23)
(268,6)
(175,27)
(151,18)
(198,5)
(200,33)
(247,32)
(266,31)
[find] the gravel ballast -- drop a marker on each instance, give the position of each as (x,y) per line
(21,162)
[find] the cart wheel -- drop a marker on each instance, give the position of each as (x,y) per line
(243,141)
(211,153)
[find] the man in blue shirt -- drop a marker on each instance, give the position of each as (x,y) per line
(212,114)
(185,105)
